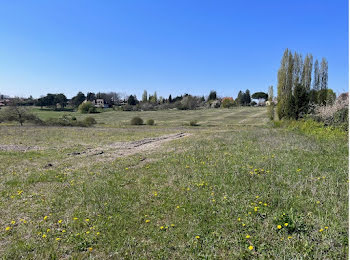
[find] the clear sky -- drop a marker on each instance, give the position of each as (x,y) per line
(172,47)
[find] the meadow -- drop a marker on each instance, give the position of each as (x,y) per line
(233,187)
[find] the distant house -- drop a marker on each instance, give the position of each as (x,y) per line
(99,102)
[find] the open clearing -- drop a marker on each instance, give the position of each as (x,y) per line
(171,191)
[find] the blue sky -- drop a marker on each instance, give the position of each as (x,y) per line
(172,47)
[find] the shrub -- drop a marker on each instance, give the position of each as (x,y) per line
(227,102)
(333,114)
(193,123)
(19,114)
(136,121)
(150,122)
(69,121)
(271,111)
(87,107)
(90,121)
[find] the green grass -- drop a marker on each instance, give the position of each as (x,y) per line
(233,169)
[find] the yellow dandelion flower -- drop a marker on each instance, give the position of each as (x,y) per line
(247,236)
(58,239)
(325,227)
(289,237)
(197,237)
(98,233)
(48,230)
(45,218)
(13,222)
(126,168)
(318,202)
(239,219)
(173,225)
(260,202)
(177,207)
(243,224)
(286,224)
(265,204)
(90,249)
(321,229)
(279,226)
(63,231)
(44,236)
(75,218)
(250,248)
(257,197)
(87,232)
(7,228)
(60,221)
(256,208)
(162,227)
(147,221)
(87,220)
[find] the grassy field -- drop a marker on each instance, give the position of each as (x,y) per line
(233,187)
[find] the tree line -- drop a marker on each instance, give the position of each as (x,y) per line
(300,84)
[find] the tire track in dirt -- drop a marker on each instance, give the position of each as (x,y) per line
(121,149)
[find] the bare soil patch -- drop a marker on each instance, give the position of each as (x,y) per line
(120,149)
(17,148)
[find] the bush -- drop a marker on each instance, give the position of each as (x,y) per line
(19,114)
(333,114)
(193,123)
(70,121)
(136,121)
(271,111)
(311,127)
(150,122)
(227,102)
(90,121)
(87,107)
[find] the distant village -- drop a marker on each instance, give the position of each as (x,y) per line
(147,102)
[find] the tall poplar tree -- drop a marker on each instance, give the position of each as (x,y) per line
(316,83)
(324,74)
(297,69)
(144,96)
(285,86)
(322,94)
(307,72)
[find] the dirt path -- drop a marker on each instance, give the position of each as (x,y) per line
(120,149)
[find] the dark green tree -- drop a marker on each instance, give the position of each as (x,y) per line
(78,99)
(90,96)
(239,99)
(61,99)
(301,101)
(259,95)
(246,98)
(132,100)
(212,95)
